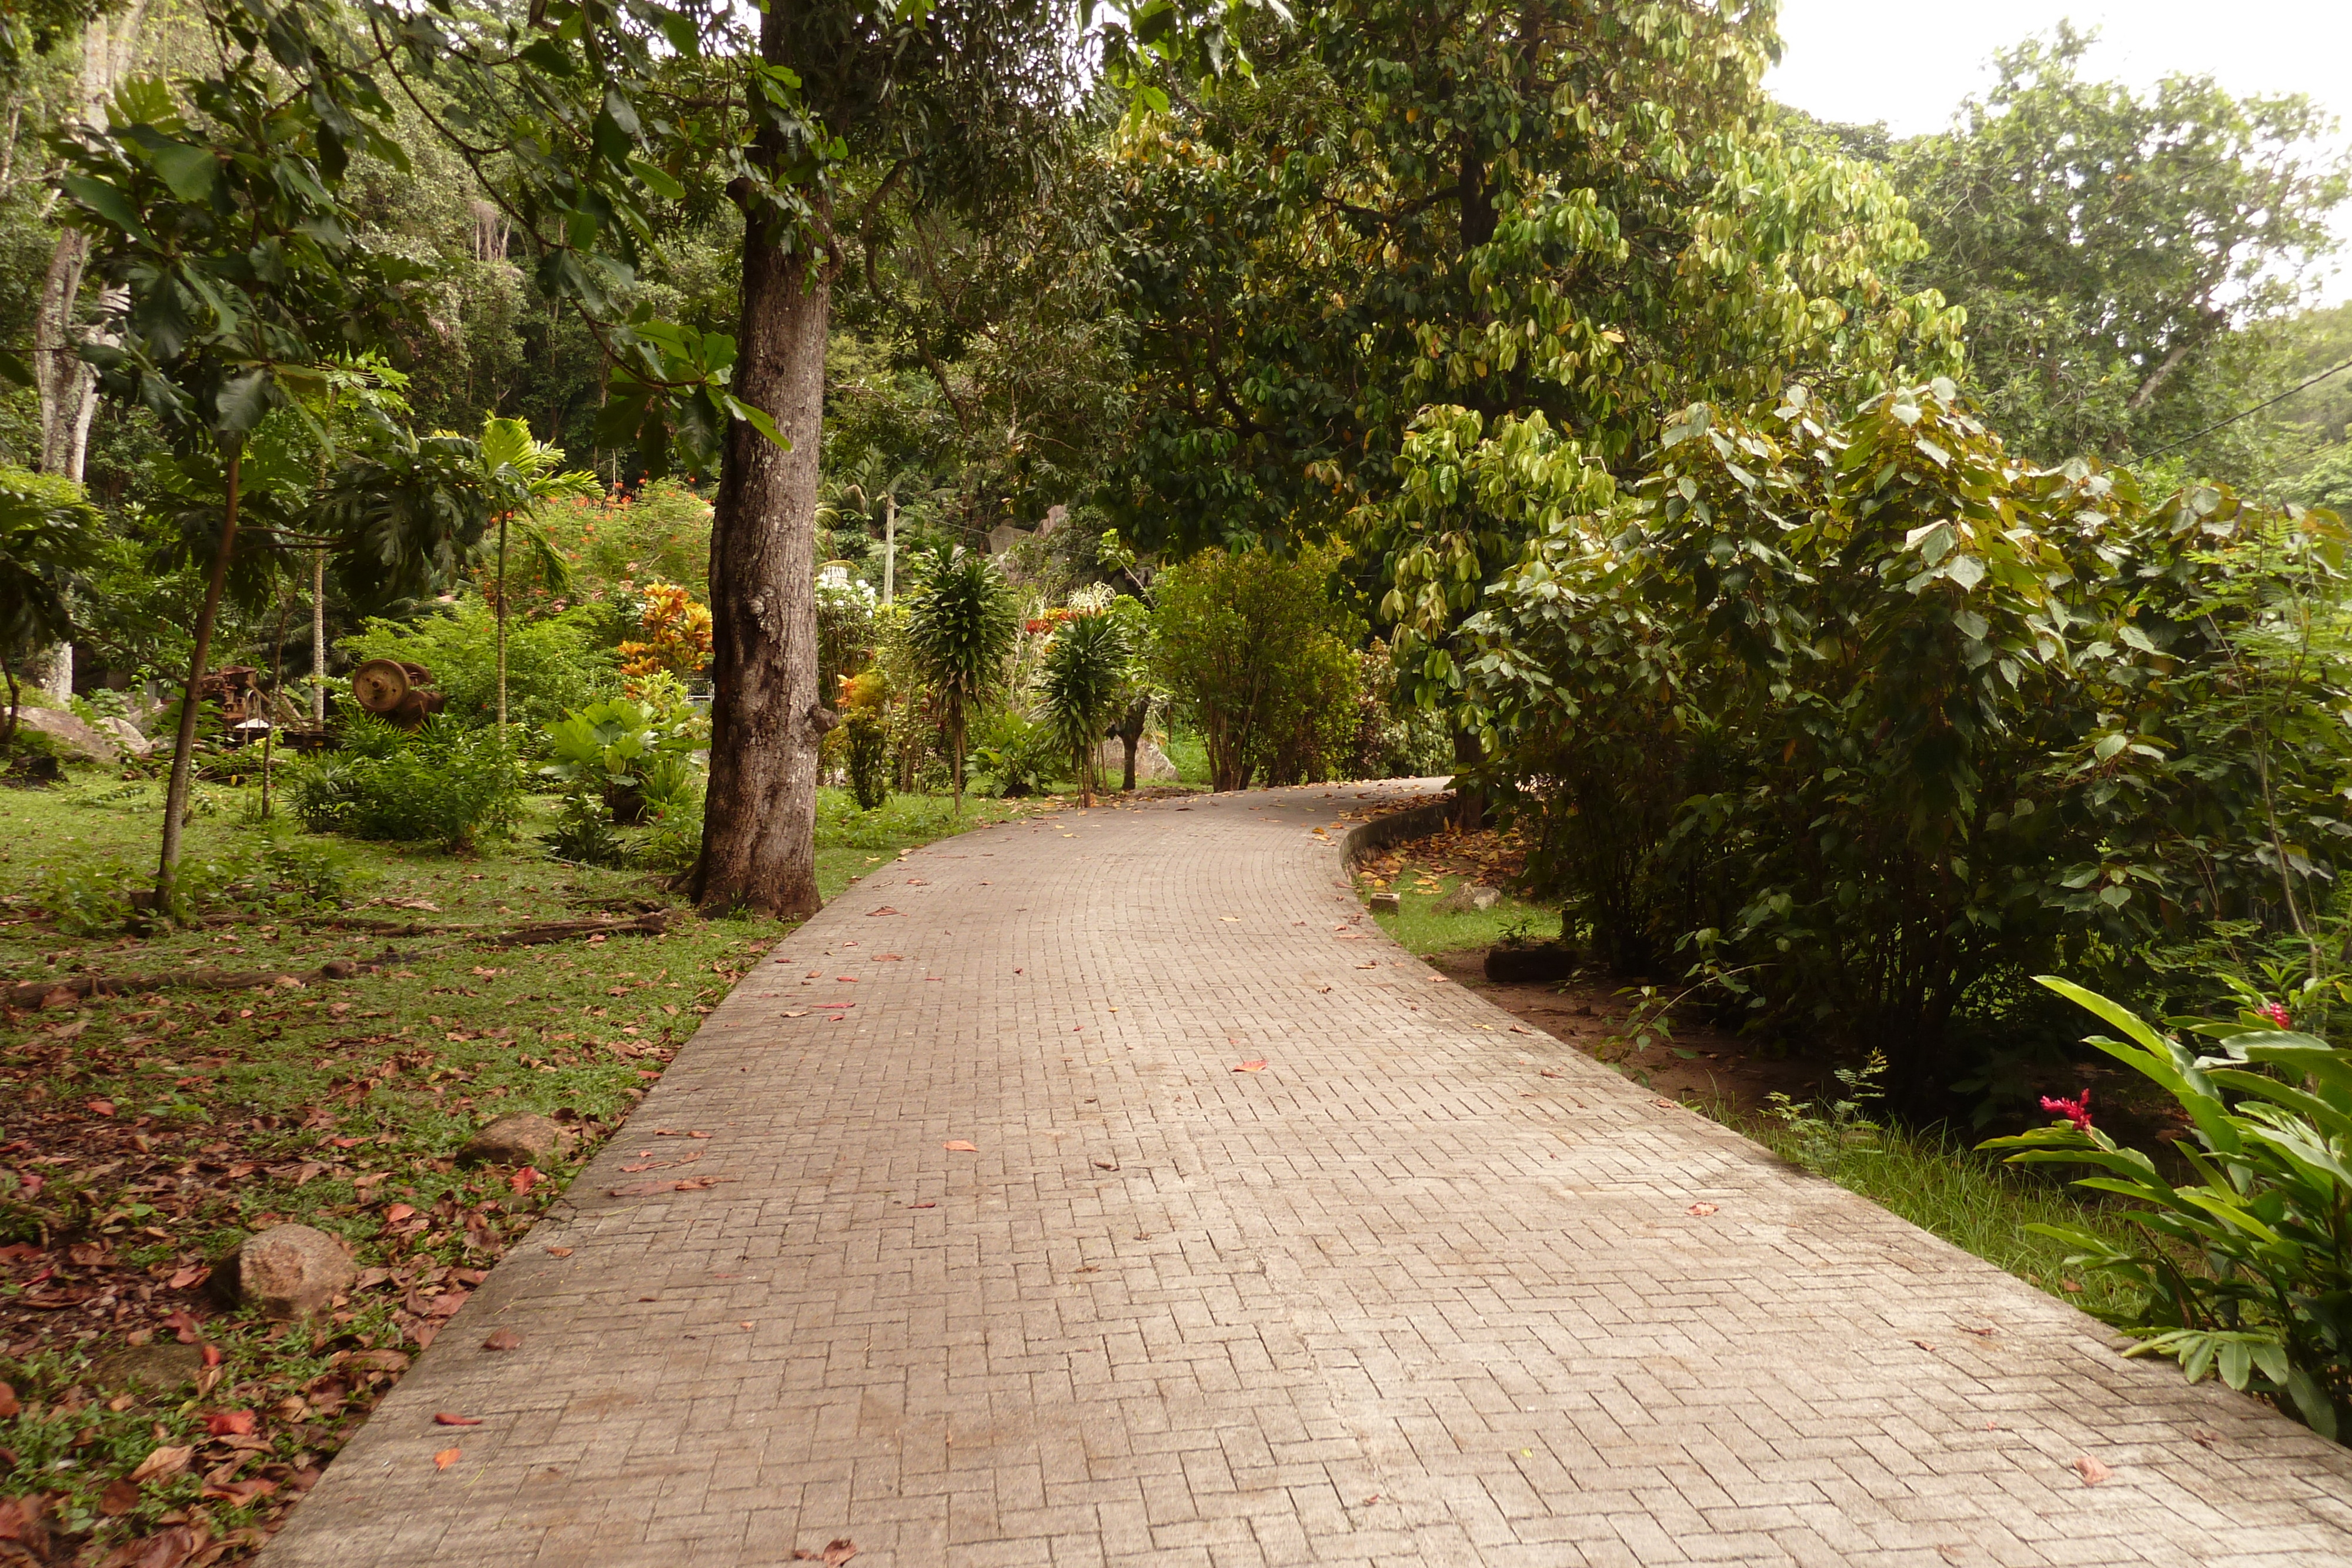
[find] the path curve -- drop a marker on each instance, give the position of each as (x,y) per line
(1422,1291)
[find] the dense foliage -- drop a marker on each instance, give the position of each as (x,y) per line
(1853,717)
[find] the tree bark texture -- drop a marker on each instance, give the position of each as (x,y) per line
(766,716)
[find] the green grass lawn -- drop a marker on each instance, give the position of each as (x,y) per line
(1423,929)
(141,1137)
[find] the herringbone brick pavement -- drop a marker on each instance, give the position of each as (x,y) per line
(1402,1296)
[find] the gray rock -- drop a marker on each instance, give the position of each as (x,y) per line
(1468,897)
(126,734)
(289,1271)
(1151,764)
(516,1140)
(163,1366)
(72,735)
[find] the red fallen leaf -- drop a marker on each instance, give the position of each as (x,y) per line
(846,979)
(958,1146)
(698,1183)
(212,1355)
(446,1458)
(505,1339)
(228,1422)
(834,1554)
(1702,1209)
(397,1212)
(1256,1065)
(118,1497)
(245,1494)
(450,1418)
(931,1205)
(9,1404)
(886,909)
(523,1180)
(18,1252)
(2092,1471)
(447,1306)
(103,1107)
(559,1252)
(190,1274)
(182,1327)
(170,1549)
(1923,1345)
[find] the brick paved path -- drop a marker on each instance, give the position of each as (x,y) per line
(1405,1296)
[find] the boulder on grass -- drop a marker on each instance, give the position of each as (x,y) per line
(71,736)
(1469,898)
(519,1140)
(286,1272)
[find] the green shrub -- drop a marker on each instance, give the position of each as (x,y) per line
(553,663)
(866,755)
(1016,755)
(447,785)
(1857,716)
(2264,1209)
(623,761)
(1259,660)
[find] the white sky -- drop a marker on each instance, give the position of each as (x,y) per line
(1910,65)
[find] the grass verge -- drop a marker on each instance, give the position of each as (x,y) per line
(143,1136)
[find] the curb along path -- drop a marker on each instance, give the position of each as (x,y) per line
(1422,1290)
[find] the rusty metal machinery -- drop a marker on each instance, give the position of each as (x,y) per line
(394,691)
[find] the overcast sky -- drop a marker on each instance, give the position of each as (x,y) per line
(1910,65)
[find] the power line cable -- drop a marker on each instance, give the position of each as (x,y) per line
(2241,413)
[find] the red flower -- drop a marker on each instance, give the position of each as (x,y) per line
(2276,1012)
(2076,1110)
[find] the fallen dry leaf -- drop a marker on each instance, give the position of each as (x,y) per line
(559,1252)
(505,1339)
(398,1212)
(834,1554)
(1256,1065)
(447,1456)
(118,1497)
(163,1462)
(931,1204)
(450,1418)
(958,1146)
(9,1404)
(102,1107)
(2092,1471)
(523,1180)
(1923,1345)
(228,1422)
(1702,1209)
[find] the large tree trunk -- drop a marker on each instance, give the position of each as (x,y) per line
(759,847)
(67,388)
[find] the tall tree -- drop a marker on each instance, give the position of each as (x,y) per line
(2116,252)
(1564,207)
(817,124)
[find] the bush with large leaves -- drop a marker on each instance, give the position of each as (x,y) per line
(2248,1262)
(1849,716)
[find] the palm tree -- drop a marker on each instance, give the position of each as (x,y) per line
(523,472)
(1084,682)
(962,622)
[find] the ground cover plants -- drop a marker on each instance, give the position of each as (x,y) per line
(147,1132)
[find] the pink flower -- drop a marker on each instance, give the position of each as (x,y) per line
(2077,1110)
(2276,1012)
